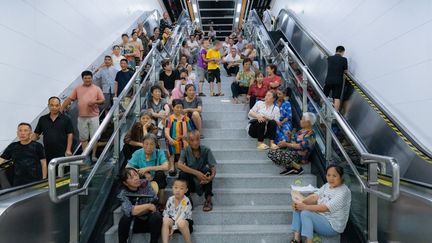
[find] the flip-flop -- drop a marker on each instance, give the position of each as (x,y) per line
(208,206)
(220,94)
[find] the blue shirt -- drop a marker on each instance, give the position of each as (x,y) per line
(138,160)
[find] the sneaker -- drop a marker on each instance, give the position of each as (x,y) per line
(201,94)
(287,169)
(295,172)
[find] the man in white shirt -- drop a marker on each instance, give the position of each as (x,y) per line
(194,46)
(231,62)
(116,57)
(268,18)
(240,44)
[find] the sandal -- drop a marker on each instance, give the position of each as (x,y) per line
(212,94)
(274,146)
(295,241)
(208,206)
(262,146)
(220,94)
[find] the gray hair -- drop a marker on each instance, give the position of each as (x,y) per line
(145,113)
(150,136)
(309,116)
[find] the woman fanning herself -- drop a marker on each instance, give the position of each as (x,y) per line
(297,152)
(325,212)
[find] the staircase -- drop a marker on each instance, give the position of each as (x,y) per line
(252,202)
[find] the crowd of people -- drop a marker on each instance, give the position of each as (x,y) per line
(166,140)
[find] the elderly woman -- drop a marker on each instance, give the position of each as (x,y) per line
(151,163)
(133,139)
(325,212)
(158,106)
(243,79)
(298,150)
(284,123)
(262,124)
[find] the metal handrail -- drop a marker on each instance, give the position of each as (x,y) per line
(427,151)
(77,160)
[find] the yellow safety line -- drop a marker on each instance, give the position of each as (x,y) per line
(59,183)
(390,124)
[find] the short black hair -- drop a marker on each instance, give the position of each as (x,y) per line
(247,60)
(86,73)
(188,86)
(108,56)
(155,28)
(54,97)
(184,43)
(181,180)
(124,174)
(165,63)
(339,169)
(155,87)
(177,102)
(340,49)
(25,124)
(124,60)
(273,67)
(114,46)
(123,35)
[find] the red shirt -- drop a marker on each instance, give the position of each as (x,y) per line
(260,93)
(274,78)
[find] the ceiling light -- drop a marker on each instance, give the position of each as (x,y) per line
(238,7)
(195,9)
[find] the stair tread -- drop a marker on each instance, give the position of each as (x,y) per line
(248,208)
(261,175)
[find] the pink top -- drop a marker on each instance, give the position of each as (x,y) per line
(84,95)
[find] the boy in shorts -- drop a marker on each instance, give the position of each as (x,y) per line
(214,57)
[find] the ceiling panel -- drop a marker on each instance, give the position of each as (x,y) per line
(216,4)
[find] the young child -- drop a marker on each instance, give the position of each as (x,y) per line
(198,168)
(177,216)
(178,125)
(214,58)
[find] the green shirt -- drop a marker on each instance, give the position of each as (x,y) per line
(138,160)
(204,163)
(245,78)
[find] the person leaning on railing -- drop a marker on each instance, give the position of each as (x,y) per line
(298,150)
(325,212)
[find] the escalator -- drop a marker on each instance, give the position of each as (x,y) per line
(302,61)
(40,211)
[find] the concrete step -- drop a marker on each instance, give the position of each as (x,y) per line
(224,107)
(252,166)
(261,180)
(221,234)
(225,133)
(239,154)
(239,143)
(217,99)
(236,124)
(252,215)
(224,116)
(251,196)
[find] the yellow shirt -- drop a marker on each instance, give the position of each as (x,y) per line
(213,54)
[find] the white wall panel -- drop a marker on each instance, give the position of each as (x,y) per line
(45,44)
(388,46)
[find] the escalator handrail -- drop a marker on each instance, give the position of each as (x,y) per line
(79,158)
(419,145)
(367,157)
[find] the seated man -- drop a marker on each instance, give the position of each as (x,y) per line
(134,204)
(151,163)
(28,157)
(231,62)
(198,168)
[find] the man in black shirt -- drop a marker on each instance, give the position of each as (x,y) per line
(337,66)
(28,157)
(122,78)
(57,131)
(167,77)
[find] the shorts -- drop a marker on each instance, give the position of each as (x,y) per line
(190,221)
(87,127)
(214,74)
(335,89)
(202,74)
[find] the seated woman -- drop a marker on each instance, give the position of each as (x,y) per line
(147,218)
(179,90)
(132,140)
(325,212)
(284,124)
(262,124)
(151,163)
(298,151)
(257,90)
(157,105)
(272,80)
(192,106)
(242,80)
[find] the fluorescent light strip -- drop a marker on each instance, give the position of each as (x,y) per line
(195,9)
(238,7)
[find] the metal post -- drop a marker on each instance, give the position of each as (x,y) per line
(116,154)
(74,212)
(138,104)
(373,204)
(304,86)
(329,121)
